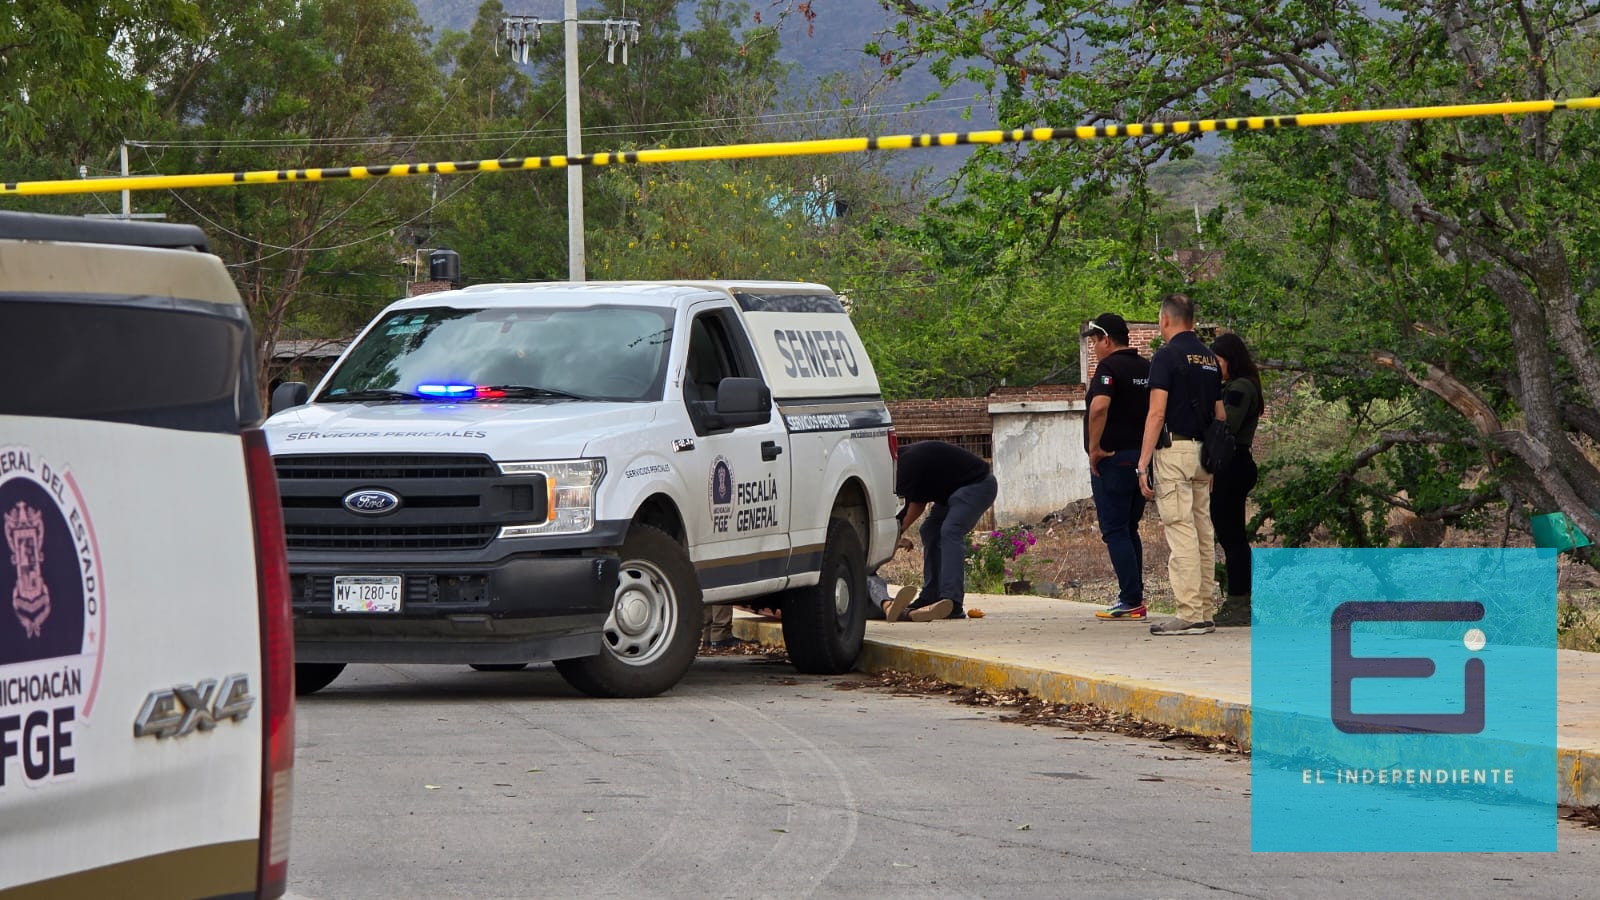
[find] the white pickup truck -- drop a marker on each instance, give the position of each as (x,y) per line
(513,473)
(146,653)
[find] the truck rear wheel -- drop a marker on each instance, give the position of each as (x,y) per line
(312,677)
(824,624)
(651,634)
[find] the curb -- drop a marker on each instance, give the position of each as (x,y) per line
(1579,770)
(1164,706)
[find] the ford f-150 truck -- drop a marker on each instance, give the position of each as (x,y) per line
(513,473)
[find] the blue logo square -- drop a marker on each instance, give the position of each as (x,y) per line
(1403,701)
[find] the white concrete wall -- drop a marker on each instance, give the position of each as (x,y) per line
(1038,458)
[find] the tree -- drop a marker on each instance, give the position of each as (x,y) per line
(290,84)
(507,227)
(1463,289)
(71,73)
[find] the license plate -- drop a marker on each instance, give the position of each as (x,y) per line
(366,593)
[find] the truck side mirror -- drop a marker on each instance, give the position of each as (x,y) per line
(289,395)
(740,403)
(738,396)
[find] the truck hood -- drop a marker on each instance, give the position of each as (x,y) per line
(503,431)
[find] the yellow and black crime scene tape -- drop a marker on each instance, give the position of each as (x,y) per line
(796,148)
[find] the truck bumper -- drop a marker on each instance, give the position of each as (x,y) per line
(525,608)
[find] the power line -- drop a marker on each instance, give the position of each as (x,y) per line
(664,127)
(280,250)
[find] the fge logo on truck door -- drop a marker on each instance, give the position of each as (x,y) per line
(52,614)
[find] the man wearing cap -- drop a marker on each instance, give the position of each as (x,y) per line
(1185,394)
(1119,401)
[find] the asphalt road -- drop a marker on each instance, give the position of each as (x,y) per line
(750,781)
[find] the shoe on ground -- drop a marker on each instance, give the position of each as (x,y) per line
(894,609)
(1233,614)
(939,609)
(728,643)
(957,613)
(1179,626)
(1131,612)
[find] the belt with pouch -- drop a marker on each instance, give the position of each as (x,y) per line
(1166,437)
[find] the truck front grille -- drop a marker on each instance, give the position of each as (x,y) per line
(384,467)
(399,537)
(446,502)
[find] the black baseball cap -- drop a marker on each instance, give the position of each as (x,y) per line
(1109,324)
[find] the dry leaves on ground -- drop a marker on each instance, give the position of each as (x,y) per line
(1587,816)
(1019,707)
(747,648)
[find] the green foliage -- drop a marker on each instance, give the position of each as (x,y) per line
(709,221)
(996,557)
(290,84)
(1438,263)
(73,73)
(1578,626)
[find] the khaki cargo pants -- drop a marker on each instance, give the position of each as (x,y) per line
(1183,497)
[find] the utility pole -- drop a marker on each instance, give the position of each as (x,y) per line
(575,255)
(516,32)
(127,200)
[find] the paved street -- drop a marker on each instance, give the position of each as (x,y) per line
(750,781)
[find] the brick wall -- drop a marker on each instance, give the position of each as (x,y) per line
(963,421)
(1038,393)
(418,288)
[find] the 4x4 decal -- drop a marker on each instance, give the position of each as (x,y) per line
(179,711)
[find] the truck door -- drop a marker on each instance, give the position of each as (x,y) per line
(742,526)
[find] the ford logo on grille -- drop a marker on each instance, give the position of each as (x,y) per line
(371,502)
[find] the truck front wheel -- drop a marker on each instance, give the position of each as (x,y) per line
(651,634)
(824,624)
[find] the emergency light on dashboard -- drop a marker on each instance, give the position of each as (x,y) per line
(458,391)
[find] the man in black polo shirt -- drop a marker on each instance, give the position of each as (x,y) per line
(1119,400)
(1185,391)
(959,486)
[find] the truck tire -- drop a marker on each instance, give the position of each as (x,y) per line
(312,677)
(824,623)
(653,630)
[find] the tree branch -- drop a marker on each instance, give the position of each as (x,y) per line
(1583,418)
(1448,388)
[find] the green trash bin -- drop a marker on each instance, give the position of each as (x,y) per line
(1555,530)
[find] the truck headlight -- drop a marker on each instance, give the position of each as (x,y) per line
(570,485)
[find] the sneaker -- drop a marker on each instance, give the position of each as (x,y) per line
(894,609)
(932,612)
(728,643)
(957,613)
(1179,626)
(1123,611)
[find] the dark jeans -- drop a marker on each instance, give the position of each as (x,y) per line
(944,542)
(1228,490)
(1119,506)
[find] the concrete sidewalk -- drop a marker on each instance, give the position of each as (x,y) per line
(1058,651)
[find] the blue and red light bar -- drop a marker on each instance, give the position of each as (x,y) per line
(459,391)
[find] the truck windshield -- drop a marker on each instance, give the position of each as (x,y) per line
(541,354)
